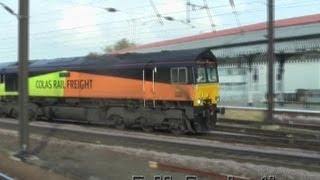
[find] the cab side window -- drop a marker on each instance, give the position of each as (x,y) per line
(179,75)
(11,82)
(2,78)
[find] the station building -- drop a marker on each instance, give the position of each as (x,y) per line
(241,54)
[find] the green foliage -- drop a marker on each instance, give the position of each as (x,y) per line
(121,44)
(93,54)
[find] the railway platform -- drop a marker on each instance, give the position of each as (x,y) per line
(293,114)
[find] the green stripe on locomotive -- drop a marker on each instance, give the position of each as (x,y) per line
(48,85)
(3,91)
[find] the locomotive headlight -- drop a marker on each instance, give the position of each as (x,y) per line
(218,98)
(199,101)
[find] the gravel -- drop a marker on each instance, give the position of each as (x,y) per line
(90,161)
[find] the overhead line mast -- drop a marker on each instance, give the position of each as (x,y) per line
(270,56)
(188,11)
(156,11)
(23,74)
(23,99)
(235,13)
(209,15)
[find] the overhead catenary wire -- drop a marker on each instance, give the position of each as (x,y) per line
(51,44)
(42,34)
(233,6)
(6,48)
(103,13)
(85,26)
(188,11)
(103,43)
(9,10)
(70,30)
(285,5)
(50,34)
(110,22)
(148,4)
(209,15)
(156,11)
(85,39)
(70,7)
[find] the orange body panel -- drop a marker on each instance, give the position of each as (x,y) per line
(101,86)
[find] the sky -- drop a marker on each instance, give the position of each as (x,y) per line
(68,28)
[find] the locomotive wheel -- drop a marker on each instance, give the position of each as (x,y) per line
(213,121)
(120,125)
(118,121)
(2,113)
(144,125)
(177,131)
(32,116)
(14,113)
(147,129)
(176,127)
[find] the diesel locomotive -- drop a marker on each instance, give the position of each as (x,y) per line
(172,90)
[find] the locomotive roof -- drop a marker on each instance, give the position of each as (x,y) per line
(165,56)
(5,65)
(137,60)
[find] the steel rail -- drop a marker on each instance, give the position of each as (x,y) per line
(230,135)
(5,177)
(276,109)
(180,145)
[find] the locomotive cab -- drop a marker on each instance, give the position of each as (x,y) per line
(206,89)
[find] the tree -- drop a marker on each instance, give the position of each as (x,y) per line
(121,44)
(94,54)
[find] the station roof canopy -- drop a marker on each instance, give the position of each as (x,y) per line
(291,35)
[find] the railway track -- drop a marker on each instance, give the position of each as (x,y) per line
(5,177)
(284,142)
(225,132)
(193,146)
(272,130)
(284,135)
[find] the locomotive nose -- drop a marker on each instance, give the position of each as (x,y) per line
(206,94)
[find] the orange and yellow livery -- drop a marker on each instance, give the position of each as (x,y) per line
(181,87)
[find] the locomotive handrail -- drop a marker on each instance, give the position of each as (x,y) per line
(154,70)
(153,78)
(143,87)
(143,81)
